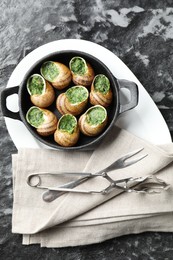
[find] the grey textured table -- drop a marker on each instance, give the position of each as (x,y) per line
(138,32)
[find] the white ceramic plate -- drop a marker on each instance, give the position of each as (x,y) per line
(144,121)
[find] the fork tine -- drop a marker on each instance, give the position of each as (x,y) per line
(129,155)
(122,163)
(128,163)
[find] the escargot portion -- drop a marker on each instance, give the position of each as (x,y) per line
(101,93)
(82,72)
(41,92)
(73,101)
(93,121)
(67,133)
(42,119)
(56,73)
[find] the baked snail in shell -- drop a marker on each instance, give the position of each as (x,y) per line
(93,121)
(56,73)
(73,101)
(82,72)
(67,133)
(101,93)
(41,92)
(42,119)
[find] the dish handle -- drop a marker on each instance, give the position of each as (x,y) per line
(5,111)
(134,94)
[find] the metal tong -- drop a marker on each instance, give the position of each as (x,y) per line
(34,180)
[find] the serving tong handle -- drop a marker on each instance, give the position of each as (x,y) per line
(120,163)
(147,184)
(52,192)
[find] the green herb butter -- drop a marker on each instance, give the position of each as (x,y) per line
(35,85)
(76,94)
(35,117)
(101,84)
(96,116)
(67,123)
(78,66)
(49,71)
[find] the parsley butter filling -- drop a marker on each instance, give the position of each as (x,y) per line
(67,123)
(96,115)
(77,94)
(36,85)
(49,71)
(101,84)
(78,65)
(35,117)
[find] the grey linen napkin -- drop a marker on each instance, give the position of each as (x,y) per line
(79,219)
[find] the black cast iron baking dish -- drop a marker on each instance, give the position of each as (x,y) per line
(114,110)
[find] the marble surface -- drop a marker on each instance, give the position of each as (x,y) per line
(138,32)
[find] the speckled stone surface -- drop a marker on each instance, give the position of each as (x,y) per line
(141,34)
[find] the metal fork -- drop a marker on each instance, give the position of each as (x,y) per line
(53,193)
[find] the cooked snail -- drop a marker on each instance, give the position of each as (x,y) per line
(73,101)
(41,92)
(67,133)
(101,93)
(93,121)
(56,73)
(82,72)
(43,120)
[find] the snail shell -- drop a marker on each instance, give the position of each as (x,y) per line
(43,120)
(101,93)
(67,133)
(93,121)
(41,92)
(82,72)
(73,101)
(57,73)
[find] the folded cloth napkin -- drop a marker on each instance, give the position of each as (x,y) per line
(79,219)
